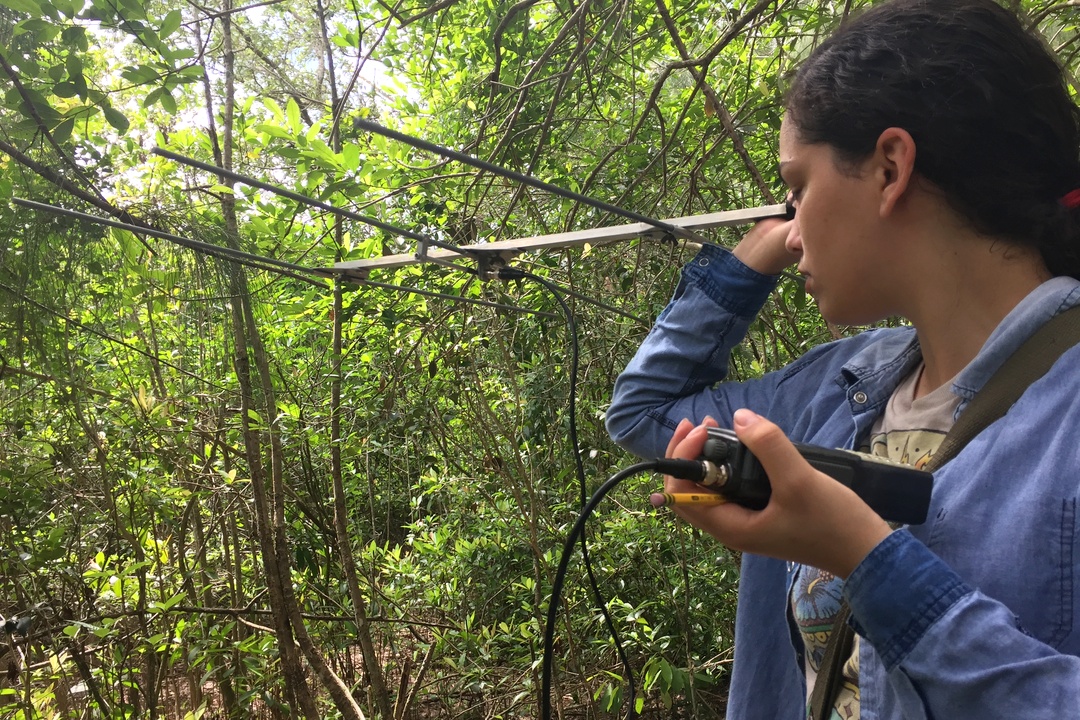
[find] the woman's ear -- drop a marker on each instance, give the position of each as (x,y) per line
(895,157)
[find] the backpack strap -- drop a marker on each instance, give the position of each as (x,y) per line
(1028,363)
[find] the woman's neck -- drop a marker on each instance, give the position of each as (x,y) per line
(963,299)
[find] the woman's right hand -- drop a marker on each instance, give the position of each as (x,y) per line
(810,518)
(765,247)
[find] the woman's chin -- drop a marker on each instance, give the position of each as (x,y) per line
(839,314)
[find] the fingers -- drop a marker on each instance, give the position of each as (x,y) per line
(682,431)
(684,427)
(765,247)
(810,518)
(687,444)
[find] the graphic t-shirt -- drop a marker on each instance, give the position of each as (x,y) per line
(909,431)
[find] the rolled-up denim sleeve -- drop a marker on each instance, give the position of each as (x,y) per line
(686,352)
(949,648)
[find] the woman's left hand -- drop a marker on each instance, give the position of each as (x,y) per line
(810,518)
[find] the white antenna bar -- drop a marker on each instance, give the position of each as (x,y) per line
(507,249)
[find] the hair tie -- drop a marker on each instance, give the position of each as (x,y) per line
(1071,200)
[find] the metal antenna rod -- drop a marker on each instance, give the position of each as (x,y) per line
(527,180)
(304,199)
(261,262)
(424,240)
(207,248)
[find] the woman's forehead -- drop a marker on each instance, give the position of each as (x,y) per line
(789,142)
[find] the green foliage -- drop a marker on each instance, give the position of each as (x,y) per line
(129,493)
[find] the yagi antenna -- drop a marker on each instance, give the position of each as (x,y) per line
(487,256)
(304,199)
(682,227)
(279,266)
(451,251)
(504,250)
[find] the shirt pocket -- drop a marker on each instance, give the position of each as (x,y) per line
(1022,552)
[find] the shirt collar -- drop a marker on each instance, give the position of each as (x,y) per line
(879,367)
(1044,302)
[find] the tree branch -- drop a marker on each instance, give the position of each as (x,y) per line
(719,108)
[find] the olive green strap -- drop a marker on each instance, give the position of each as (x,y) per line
(831,673)
(1027,364)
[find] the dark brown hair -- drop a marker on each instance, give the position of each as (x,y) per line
(985,101)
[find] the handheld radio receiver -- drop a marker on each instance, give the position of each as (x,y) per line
(896,492)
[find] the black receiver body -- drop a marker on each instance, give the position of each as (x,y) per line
(898,493)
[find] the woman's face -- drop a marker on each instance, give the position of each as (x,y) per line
(837,232)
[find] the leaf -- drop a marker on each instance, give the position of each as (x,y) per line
(273,107)
(24,6)
(74,65)
(133,10)
(62,132)
(152,97)
(140,74)
(168,102)
(350,155)
(75,37)
(116,118)
(274,131)
(293,115)
(170,24)
(191,73)
(65,89)
(710,107)
(321,151)
(175,599)
(40,105)
(81,88)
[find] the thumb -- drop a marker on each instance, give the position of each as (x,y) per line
(769,445)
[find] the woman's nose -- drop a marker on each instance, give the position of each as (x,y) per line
(794,239)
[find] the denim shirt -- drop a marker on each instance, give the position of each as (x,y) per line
(969,615)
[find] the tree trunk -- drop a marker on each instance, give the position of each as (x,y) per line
(372,665)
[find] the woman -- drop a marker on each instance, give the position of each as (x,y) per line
(933,154)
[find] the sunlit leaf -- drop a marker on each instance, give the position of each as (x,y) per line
(24,6)
(170,24)
(292,111)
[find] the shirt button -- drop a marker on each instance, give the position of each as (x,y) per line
(703,262)
(859,397)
